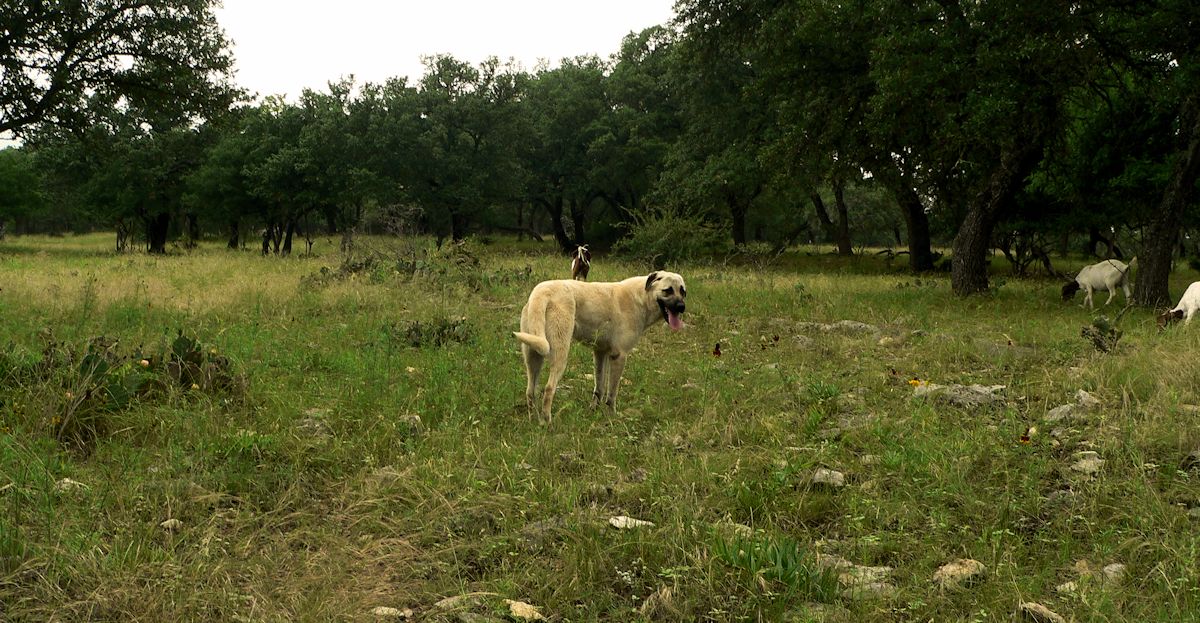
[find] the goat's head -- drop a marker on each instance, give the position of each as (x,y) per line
(1169,316)
(1069,290)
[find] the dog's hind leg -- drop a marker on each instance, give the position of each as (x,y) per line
(616,366)
(533,370)
(559,328)
(600,389)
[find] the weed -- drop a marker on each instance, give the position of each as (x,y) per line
(779,561)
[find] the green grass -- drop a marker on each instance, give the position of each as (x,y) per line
(307,491)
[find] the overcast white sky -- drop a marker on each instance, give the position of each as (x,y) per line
(283,46)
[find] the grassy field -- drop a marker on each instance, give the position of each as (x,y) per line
(333,437)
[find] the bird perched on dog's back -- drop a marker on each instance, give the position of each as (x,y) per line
(581,262)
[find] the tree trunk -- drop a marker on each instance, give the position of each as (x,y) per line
(737,212)
(156,233)
(842,230)
(287,238)
(969,271)
(192,229)
(578,216)
(458,226)
(823,215)
(234,234)
(973,242)
(1154,260)
(916,224)
(555,210)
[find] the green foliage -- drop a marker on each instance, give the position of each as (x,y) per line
(777,560)
(434,333)
(75,390)
(164,62)
(663,237)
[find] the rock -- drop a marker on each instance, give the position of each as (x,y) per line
(312,427)
(1191,461)
(1077,410)
(621,522)
(66,485)
(690,386)
(829,478)
(1067,588)
(387,612)
(522,611)
(1037,613)
(1113,573)
(1088,463)
(804,342)
(570,462)
(959,574)
(871,590)
(738,529)
(1086,400)
(1061,413)
(960,395)
(1194,513)
(171,525)
(863,574)
(1060,497)
(887,341)
(852,326)
(870,459)
(463,602)
(841,326)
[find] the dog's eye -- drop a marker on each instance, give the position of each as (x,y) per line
(669,291)
(682,291)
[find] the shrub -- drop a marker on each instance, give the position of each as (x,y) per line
(665,236)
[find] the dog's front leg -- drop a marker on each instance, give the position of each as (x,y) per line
(599,390)
(616,366)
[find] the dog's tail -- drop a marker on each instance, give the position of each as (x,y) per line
(536,342)
(534,321)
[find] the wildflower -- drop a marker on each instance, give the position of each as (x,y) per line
(145,363)
(195,386)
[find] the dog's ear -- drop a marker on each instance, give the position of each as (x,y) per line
(650,280)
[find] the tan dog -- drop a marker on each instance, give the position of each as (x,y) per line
(609,316)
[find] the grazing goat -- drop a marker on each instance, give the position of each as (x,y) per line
(1104,276)
(581,262)
(1185,309)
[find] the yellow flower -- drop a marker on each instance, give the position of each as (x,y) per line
(915,382)
(195,386)
(145,363)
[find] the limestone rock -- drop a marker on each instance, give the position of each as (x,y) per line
(621,522)
(523,612)
(66,485)
(1037,613)
(387,612)
(960,573)
(960,395)
(829,478)
(1087,462)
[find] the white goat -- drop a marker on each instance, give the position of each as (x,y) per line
(1104,276)
(1185,309)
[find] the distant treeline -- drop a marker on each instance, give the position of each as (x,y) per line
(1022,125)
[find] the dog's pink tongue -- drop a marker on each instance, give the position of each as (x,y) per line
(673,320)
